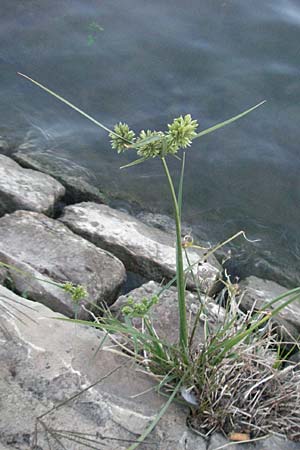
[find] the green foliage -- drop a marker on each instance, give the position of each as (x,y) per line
(94,28)
(77,292)
(140,309)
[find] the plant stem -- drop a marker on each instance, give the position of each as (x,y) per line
(183,337)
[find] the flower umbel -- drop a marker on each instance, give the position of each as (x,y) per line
(150,149)
(77,292)
(181,132)
(140,309)
(150,144)
(125,136)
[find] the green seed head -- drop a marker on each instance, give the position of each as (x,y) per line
(77,292)
(120,140)
(181,132)
(150,149)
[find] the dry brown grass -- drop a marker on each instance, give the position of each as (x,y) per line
(247,392)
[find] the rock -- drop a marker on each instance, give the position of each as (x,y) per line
(167,224)
(46,362)
(75,179)
(162,222)
(45,248)
(144,250)
(4,146)
(255,291)
(294,360)
(165,313)
(4,277)
(218,441)
(26,189)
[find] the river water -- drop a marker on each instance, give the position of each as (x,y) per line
(147,61)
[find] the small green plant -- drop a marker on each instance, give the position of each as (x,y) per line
(93,30)
(237,346)
(77,292)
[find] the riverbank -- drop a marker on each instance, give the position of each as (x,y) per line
(260,259)
(92,244)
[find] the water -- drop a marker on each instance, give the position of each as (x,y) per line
(146,62)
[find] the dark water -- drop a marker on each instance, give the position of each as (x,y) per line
(145,62)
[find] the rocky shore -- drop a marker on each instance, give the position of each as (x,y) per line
(59,229)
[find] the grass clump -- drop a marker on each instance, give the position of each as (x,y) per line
(232,379)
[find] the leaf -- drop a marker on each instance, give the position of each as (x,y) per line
(134,163)
(66,102)
(145,141)
(156,419)
(180,189)
(227,122)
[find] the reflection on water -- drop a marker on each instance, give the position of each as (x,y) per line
(146,62)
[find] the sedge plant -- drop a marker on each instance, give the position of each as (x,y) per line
(234,341)
(160,144)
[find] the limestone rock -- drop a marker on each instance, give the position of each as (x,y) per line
(75,179)
(162,222)
(26,189)
(47,249)
(255,291)
(4,145)
(164,314)
(46,362)
(218,441)
(143,249)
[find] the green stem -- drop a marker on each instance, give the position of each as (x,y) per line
(183,335)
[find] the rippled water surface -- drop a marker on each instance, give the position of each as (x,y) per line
(145,62)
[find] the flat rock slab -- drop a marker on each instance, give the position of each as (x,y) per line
(219,442)
(143,249)
(47,249)
(45,362)
(257,292)
(164,315)
(75,179)
(26,189)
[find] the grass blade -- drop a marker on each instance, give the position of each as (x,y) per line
(180,189)
(157,418)
(230,343)
(134,163)
(66,102)
(146,141)
(227,122)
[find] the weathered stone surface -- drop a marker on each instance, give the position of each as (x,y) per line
(218,441)
(165,313)
(47,249)
(76,180)
(145,250)
(255,291)
(162,222)
(4,145)
(3,275)
(45,362)
(26,189)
